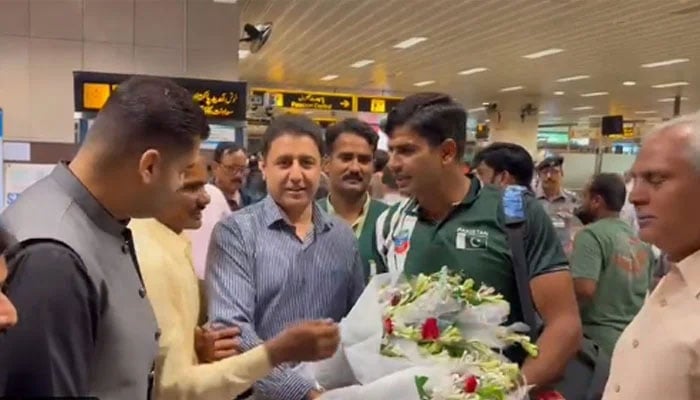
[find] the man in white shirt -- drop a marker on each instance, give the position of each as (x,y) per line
(666,191)
(213,213)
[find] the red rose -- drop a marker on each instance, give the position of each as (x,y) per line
(550,395)
(396,299)
(388,326)
(430,330)
(470,384)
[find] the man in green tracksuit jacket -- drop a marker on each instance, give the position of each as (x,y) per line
(453,220)
(350,147)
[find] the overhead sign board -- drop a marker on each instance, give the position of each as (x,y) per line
(378,105)
(218,99)
(306,100)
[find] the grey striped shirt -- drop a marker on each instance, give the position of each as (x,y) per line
(261,277)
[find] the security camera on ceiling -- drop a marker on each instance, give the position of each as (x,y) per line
(256,35)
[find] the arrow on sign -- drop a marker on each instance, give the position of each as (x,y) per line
(345,104)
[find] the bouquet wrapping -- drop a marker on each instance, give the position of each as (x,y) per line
(434,337)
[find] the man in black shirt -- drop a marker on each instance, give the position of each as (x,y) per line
(86,326)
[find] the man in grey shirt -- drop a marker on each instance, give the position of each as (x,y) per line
(86,326)
(283,259)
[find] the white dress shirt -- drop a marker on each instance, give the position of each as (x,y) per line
(216,210)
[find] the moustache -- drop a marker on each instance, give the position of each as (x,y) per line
(353,177)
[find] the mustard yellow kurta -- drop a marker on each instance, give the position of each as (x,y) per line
(166,265)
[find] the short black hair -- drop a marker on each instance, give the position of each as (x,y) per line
(148,113)
(224,148)
(388,179)
(297,125)
(353,126)
(508,157)
(381,159)
(434,116)
(611,188)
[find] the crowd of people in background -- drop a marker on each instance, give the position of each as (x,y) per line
(141,267)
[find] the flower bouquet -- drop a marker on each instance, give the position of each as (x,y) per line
(434,337)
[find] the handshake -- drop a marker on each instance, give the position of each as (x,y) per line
(305,341)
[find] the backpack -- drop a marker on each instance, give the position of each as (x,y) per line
(586,374)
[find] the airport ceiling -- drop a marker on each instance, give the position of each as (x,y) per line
(604,43)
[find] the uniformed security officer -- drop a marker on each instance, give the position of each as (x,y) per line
(454,221)
(561,204)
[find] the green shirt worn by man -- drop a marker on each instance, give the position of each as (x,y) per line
(472,240)
(364,228)
(608,252)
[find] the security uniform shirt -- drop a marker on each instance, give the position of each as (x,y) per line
(471,240)
(561,209)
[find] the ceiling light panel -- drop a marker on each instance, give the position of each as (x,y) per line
(671,99)
(670,85)
(558,93)
(543,53)
(573,78)
(329,77)
(473,71)
(665,63)
(423,83)
(512,88)
(594,94)
(629,83)
(477,109)
(362,63)
(646,112)
(582,108)
(410,42)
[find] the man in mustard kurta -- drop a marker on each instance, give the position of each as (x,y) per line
(164,255)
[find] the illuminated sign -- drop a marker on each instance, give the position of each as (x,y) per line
(378,105)
(305,100)
(325,122)
(218,99)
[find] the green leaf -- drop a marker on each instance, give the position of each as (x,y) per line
(420,385)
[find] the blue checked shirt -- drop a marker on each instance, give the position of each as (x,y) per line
(261,277)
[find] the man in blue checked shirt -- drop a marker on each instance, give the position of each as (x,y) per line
(283,259)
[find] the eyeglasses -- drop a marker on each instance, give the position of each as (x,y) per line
(234,169)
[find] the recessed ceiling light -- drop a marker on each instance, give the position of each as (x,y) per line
(558,93)
(329,77)
(423,83)
(573,78)
(486,103)
(243,53)
(629,83)
(582,108)
(594,94)
(665,63)
(362,63)
(410,42)
(477,109)
(646,112)
(512,88)
(670,85)
(671,99)
(472,71)
(543,53)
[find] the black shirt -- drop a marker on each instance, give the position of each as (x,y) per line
(50,348)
